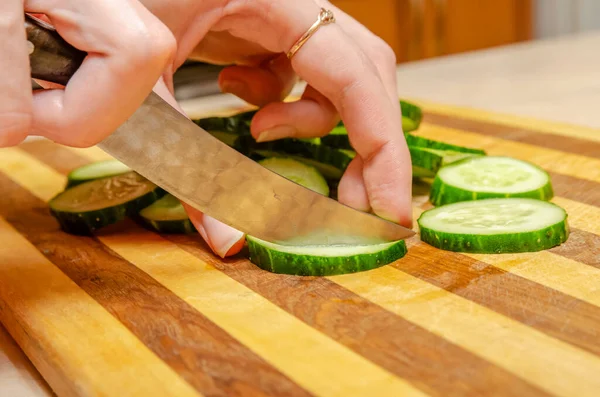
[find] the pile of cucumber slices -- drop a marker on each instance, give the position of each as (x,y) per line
(482,204)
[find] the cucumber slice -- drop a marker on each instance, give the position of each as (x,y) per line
(296,171)
(483,177)
(323,260)
(411,120)
(167,215)
(429,161)
(504,225)
(238,124)
(227,138)
(330,162)
(96,170)
(418,141)
(412,115)
(89,206)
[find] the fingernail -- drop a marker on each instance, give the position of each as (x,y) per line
(222,237)
(235,87)
(279,132)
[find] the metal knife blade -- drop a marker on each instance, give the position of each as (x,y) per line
(173,152)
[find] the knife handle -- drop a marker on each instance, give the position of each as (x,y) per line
(51,58)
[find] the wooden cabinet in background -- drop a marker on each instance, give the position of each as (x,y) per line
(418,29)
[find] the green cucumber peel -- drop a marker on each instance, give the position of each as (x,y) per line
(495,226)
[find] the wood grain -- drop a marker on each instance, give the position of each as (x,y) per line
(433,323)
(564,143)
(569,319)
(206,357)
(436,366)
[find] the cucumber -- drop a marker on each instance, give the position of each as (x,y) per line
(412,115)
(227,138)
(330,162)
(495,226)
(429,161)
(238,124)
(96,170)
(418,141)
(296,171)
(483,177)
(322,260)
(167,215)
(92,205)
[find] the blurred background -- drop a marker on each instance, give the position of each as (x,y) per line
(425,29)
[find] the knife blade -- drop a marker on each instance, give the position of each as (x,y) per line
(170,150)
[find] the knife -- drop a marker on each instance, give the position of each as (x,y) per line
(170,150)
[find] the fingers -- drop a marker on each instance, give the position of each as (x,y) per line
(15,101)
(270,81)
(311,116)
(345,74)
(222,239)
(128,51)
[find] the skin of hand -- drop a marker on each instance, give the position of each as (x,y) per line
(349,71)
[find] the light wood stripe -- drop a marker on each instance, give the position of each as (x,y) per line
(549,269)
(567,144)
(431,363)
(52,316)
(42,181)
(553,160)
(435,365)
(548,127)
(258,323)
(198,350)
(553,365)
(545,309)
(243,313)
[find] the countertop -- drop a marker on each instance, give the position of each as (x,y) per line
(554,80)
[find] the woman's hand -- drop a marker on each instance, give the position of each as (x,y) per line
(129,49)
(350,73)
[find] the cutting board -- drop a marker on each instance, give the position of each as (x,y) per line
(132,313)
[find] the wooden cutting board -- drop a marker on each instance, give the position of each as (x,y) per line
(132,313)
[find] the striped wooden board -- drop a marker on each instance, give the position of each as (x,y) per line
(130,312)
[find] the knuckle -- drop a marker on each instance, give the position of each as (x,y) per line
(14,127)
(382,53)
(155,43)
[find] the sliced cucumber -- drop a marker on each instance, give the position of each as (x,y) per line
(412,115)
(418,141)
(498,226)
(297,171)
(89,206)
(96,170)
(329,161)
(483,177)
(322,260)
(238,124)
(429,161)
(227,138)
(167,215)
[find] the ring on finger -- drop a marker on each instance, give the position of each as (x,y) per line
(325,18)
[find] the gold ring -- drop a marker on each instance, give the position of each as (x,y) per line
(325,17)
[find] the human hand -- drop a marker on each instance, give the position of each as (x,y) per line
(350,73)
(129,49)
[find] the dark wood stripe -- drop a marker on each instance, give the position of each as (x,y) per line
(518,134)
(206,356)
(576,189)
(552,312)
(429,362)
(582,247)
